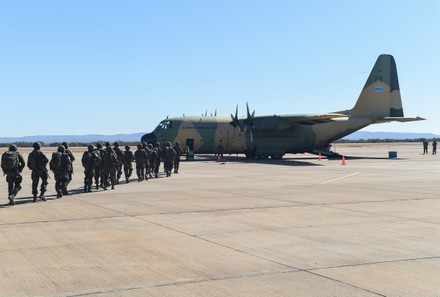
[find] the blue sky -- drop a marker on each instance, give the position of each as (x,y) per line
(86,67)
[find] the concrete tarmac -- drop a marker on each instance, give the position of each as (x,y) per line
(294,227)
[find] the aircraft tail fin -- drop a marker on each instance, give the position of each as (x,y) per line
(380,96)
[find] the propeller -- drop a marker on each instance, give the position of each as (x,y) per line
(246,123)
(249,121)
(235,122)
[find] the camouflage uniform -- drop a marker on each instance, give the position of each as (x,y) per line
(153,158)
(147,160)
(158,158)
(89,161)
(169,156)
(72,158)
(110,161)
(179,151)
(13,171)
(37,162)
(119,154)
(99,166)
(127,160)
(61,165)
(139,157)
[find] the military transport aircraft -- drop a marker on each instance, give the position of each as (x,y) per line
(276,135)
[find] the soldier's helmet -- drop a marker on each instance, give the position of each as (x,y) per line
(144,144)
(127,147)
(178,143)
(116,144)
(150,146)
(90,147)
(157,144)
(65,144)
(168,144)
(139,146)
(107,144)
(36,145)
(99,145)
(61,149)
(12,147)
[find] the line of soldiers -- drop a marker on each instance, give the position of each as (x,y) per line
(104,166)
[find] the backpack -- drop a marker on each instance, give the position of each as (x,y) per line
(96,156)
(110,160)
(128,157)
(9,160)
(36,161)
(87,160)
(55,162)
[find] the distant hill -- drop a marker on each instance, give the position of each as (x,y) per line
(137,136)
(388,135)
(75,138)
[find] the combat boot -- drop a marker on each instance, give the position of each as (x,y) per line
(11,201)
(16,190)
(59,194)
(42,196)
(35,198)
(113,187)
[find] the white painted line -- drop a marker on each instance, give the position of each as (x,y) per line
(339,178)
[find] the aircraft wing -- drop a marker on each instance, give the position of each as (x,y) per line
(282,122)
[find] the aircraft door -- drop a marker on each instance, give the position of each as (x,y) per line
(190,143)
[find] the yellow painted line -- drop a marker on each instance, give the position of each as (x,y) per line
(339,178)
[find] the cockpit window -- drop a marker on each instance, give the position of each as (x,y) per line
(166,124)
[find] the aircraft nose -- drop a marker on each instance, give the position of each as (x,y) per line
(149,138)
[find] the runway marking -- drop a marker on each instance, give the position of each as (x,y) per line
(339,178)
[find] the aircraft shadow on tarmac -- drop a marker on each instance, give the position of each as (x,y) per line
(286,161)
(243,159)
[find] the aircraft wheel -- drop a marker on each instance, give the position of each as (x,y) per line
(276,157)
(250,156)
(262,157)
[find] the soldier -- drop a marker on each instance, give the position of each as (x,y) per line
(179,151)
(158,150)
(169,156)
(139,157)
(425,147)
(37,162)
(153,158)
(12,165)
(110,161)
(434,147)
(90,160)
(99,165)
(128,159)
(72,158)
(147,160)
(119,154)
(61,165)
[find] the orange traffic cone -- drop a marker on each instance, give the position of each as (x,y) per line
(218,158)
(319,157)
(343,160)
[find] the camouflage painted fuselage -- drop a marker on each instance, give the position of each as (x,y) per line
(206,133)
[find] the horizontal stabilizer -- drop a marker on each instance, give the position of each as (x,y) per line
(399,119)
